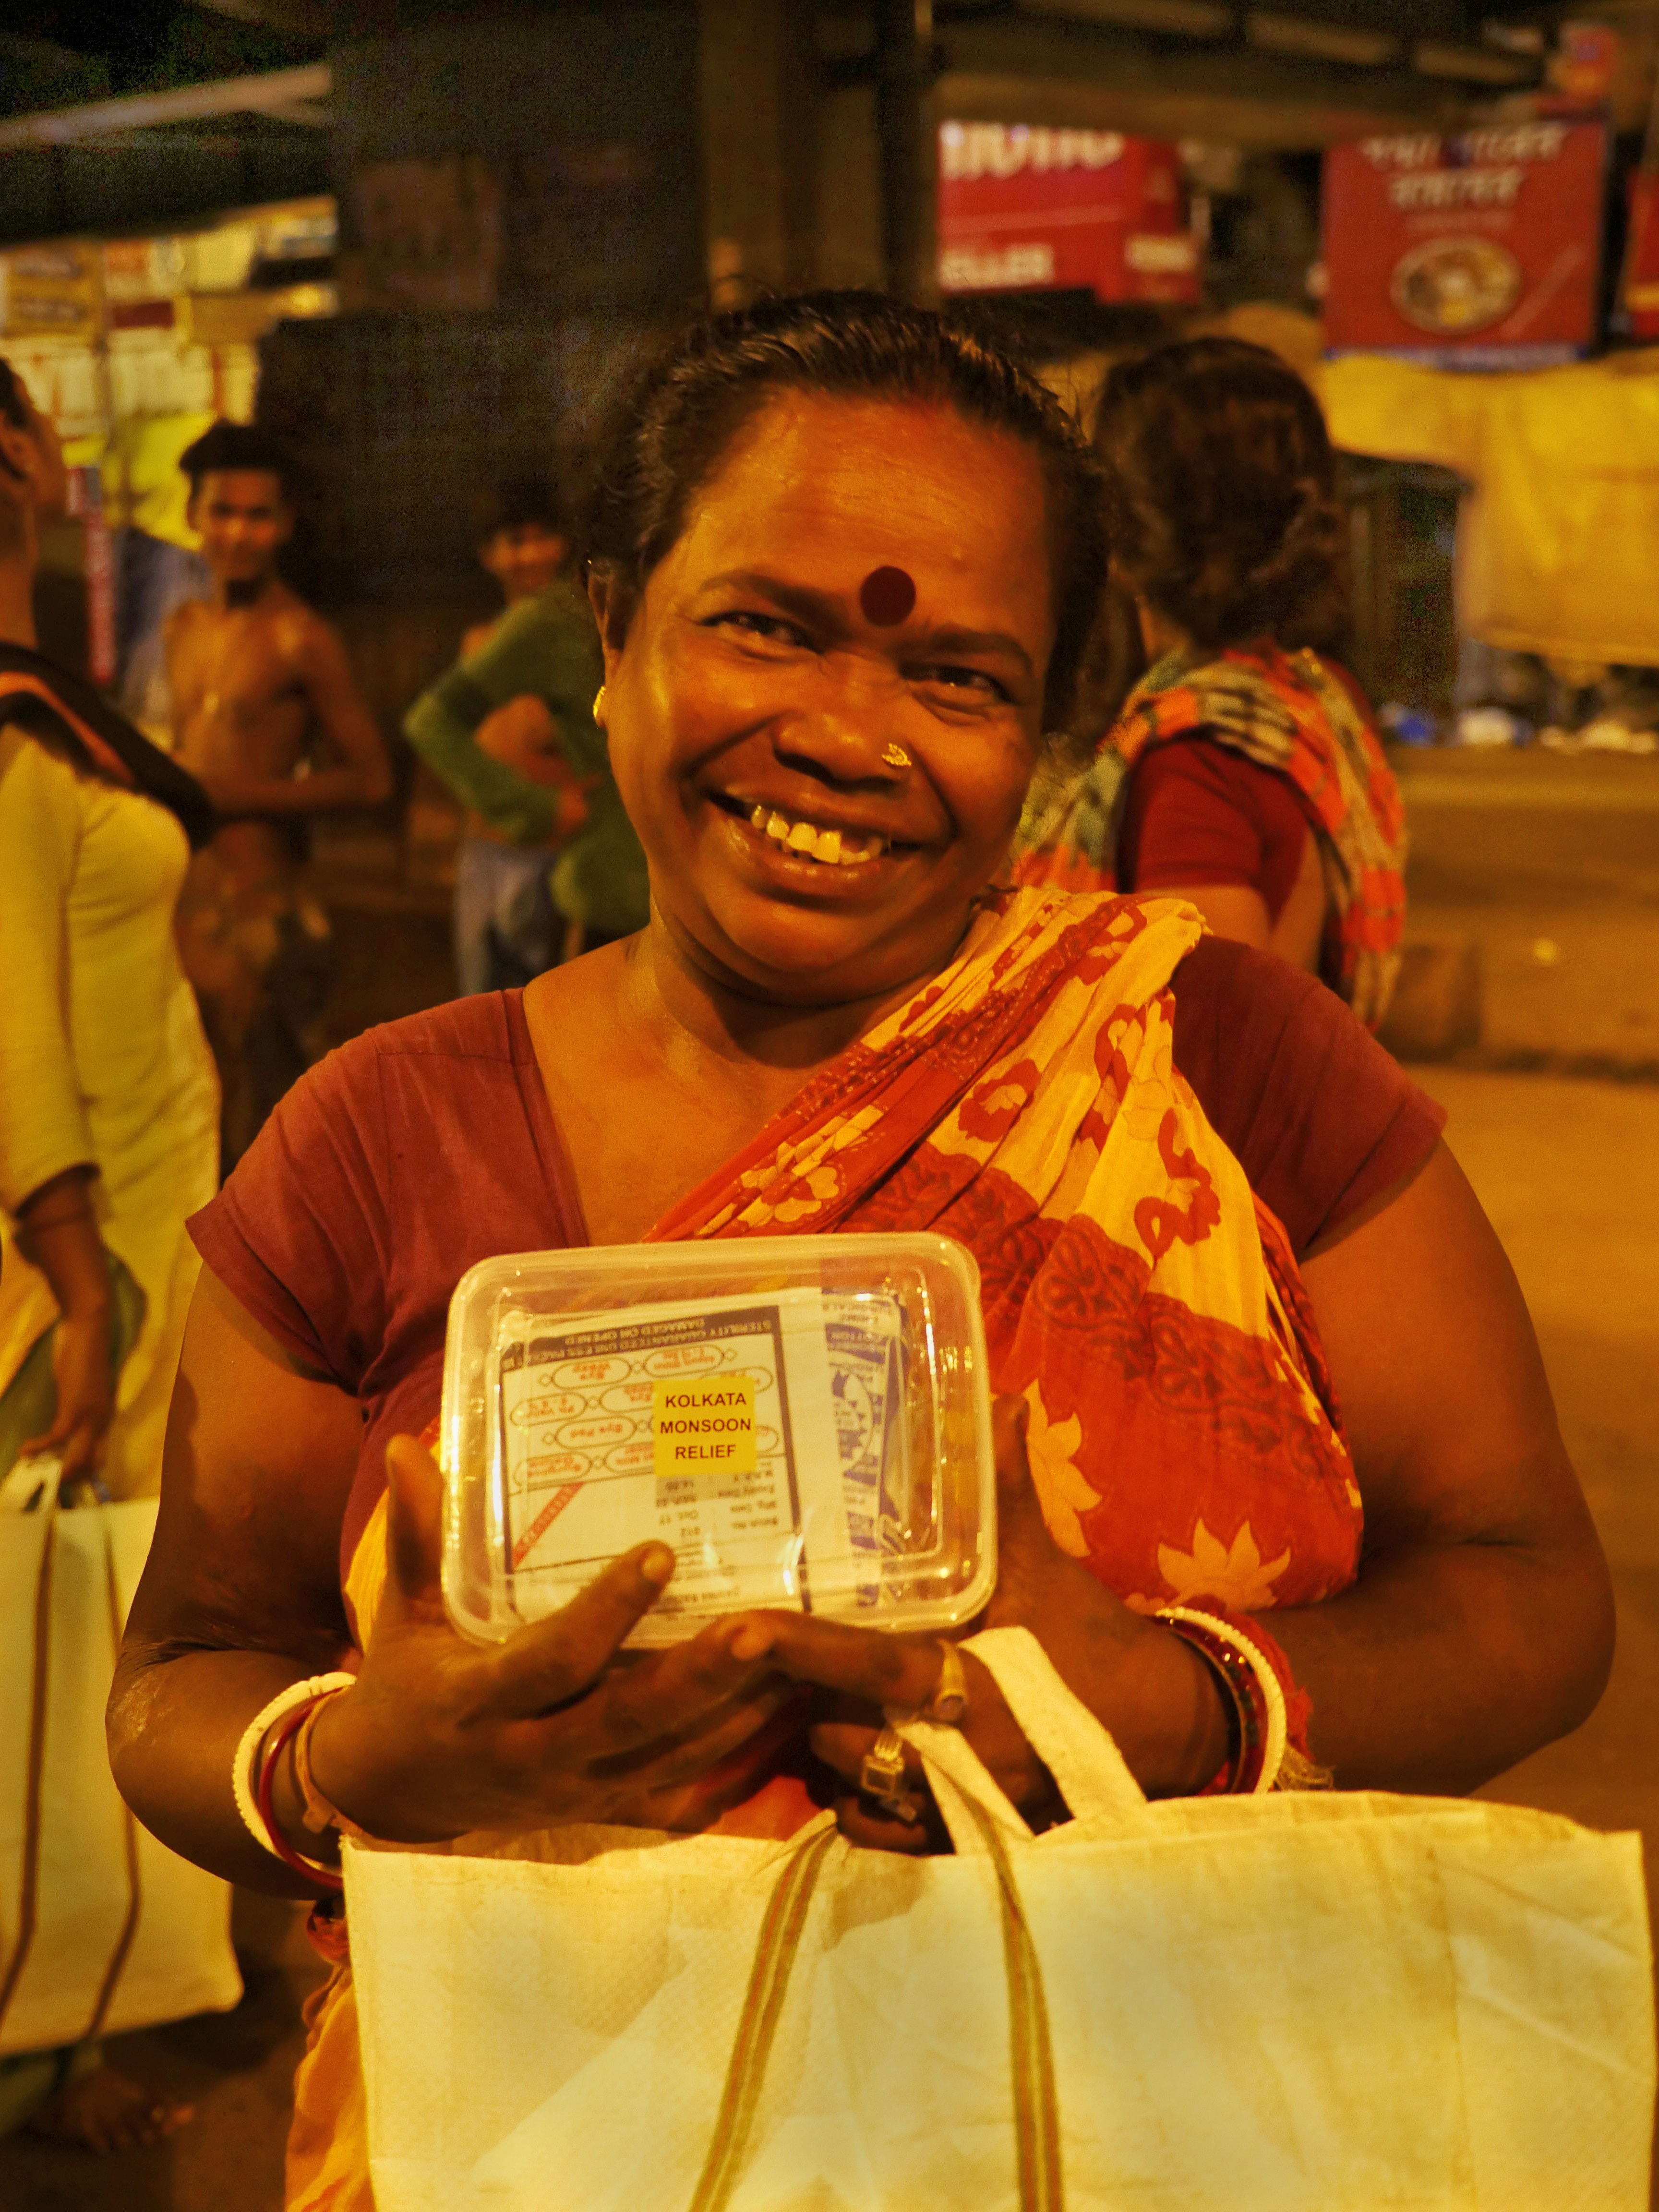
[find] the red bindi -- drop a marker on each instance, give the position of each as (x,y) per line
(887,596)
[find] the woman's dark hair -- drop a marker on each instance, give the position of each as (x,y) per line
(684,411)
(13,404)
(1220,488)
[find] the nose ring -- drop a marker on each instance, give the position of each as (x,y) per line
(895,757)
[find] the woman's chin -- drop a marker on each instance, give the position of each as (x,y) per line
(804,955)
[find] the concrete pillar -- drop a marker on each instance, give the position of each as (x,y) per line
(757,84)
(908,139)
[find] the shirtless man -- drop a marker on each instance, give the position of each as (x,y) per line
(266,715)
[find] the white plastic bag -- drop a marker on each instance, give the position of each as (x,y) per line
(1307,2003)
(101,1928)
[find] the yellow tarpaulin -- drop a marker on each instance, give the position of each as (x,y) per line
(143,484)
(1558,545)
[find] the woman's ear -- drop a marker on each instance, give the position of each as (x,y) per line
(613,602)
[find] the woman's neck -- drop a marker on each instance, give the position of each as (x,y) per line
(1158,634)
(696,1015)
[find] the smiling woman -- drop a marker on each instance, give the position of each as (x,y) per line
(1236,1293)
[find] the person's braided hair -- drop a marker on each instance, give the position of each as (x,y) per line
(1220,491)
(679,421)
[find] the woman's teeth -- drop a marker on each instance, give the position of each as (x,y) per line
(832,846)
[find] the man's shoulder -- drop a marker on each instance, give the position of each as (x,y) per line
(297,625)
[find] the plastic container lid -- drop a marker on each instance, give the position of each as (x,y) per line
(806,1420)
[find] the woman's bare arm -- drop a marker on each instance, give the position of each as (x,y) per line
(240,1598)
(1481,1624)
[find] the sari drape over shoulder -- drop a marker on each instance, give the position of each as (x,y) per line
(1184,1435)
(1183,1432)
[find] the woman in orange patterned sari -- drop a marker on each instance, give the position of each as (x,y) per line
(1243,772)
(844,565)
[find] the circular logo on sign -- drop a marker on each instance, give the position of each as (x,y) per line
(1453,285)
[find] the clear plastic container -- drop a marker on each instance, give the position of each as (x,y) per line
(807,1420)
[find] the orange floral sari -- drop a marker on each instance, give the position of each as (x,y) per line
(1183,1436)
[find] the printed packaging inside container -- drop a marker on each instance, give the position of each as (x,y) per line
(806,1420)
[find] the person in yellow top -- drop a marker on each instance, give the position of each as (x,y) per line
(109,1104)
(108,1099)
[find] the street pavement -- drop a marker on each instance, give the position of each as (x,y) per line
(1548,866)
(1568,1172)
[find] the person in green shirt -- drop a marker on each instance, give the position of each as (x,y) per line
(547,864)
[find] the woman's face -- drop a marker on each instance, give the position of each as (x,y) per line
(760,688)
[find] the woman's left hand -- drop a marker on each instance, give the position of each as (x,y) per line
(1154,1694)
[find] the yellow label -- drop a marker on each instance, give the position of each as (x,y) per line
(704,1424)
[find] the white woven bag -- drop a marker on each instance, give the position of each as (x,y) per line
(101,1928)
(1312,2003)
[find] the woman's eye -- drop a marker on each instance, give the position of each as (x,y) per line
(771,629)
(967,682)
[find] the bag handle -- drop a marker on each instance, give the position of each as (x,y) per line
(1077,1749)
(1037,2145)
(1086,1764)
(28,1894)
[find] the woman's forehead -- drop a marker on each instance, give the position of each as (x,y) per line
(848,487)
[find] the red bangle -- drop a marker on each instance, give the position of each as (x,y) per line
(1248,1736)
(263,1790)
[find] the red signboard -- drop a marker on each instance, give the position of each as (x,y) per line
(1479,251)
(1023,209)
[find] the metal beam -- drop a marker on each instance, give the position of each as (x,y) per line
(1471,65)
(301,19)
(238,95)
(1025,69)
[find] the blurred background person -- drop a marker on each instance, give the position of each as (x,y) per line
(548,865)
(527,547)
(267,716)
(109,1109)
(1244,771)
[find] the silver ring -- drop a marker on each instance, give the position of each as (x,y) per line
(949,1703)
(882,1775)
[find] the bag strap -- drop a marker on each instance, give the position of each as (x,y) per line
(969,1798)
(124,1941)
(1030,2052)
(28,1894)
(1077,1750)
(758,2023)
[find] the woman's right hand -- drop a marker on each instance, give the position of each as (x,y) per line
(439,1736)
(86,1395)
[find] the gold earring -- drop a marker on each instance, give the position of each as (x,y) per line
(598,708)
(895,757)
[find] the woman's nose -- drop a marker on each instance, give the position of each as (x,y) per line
(844,732)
